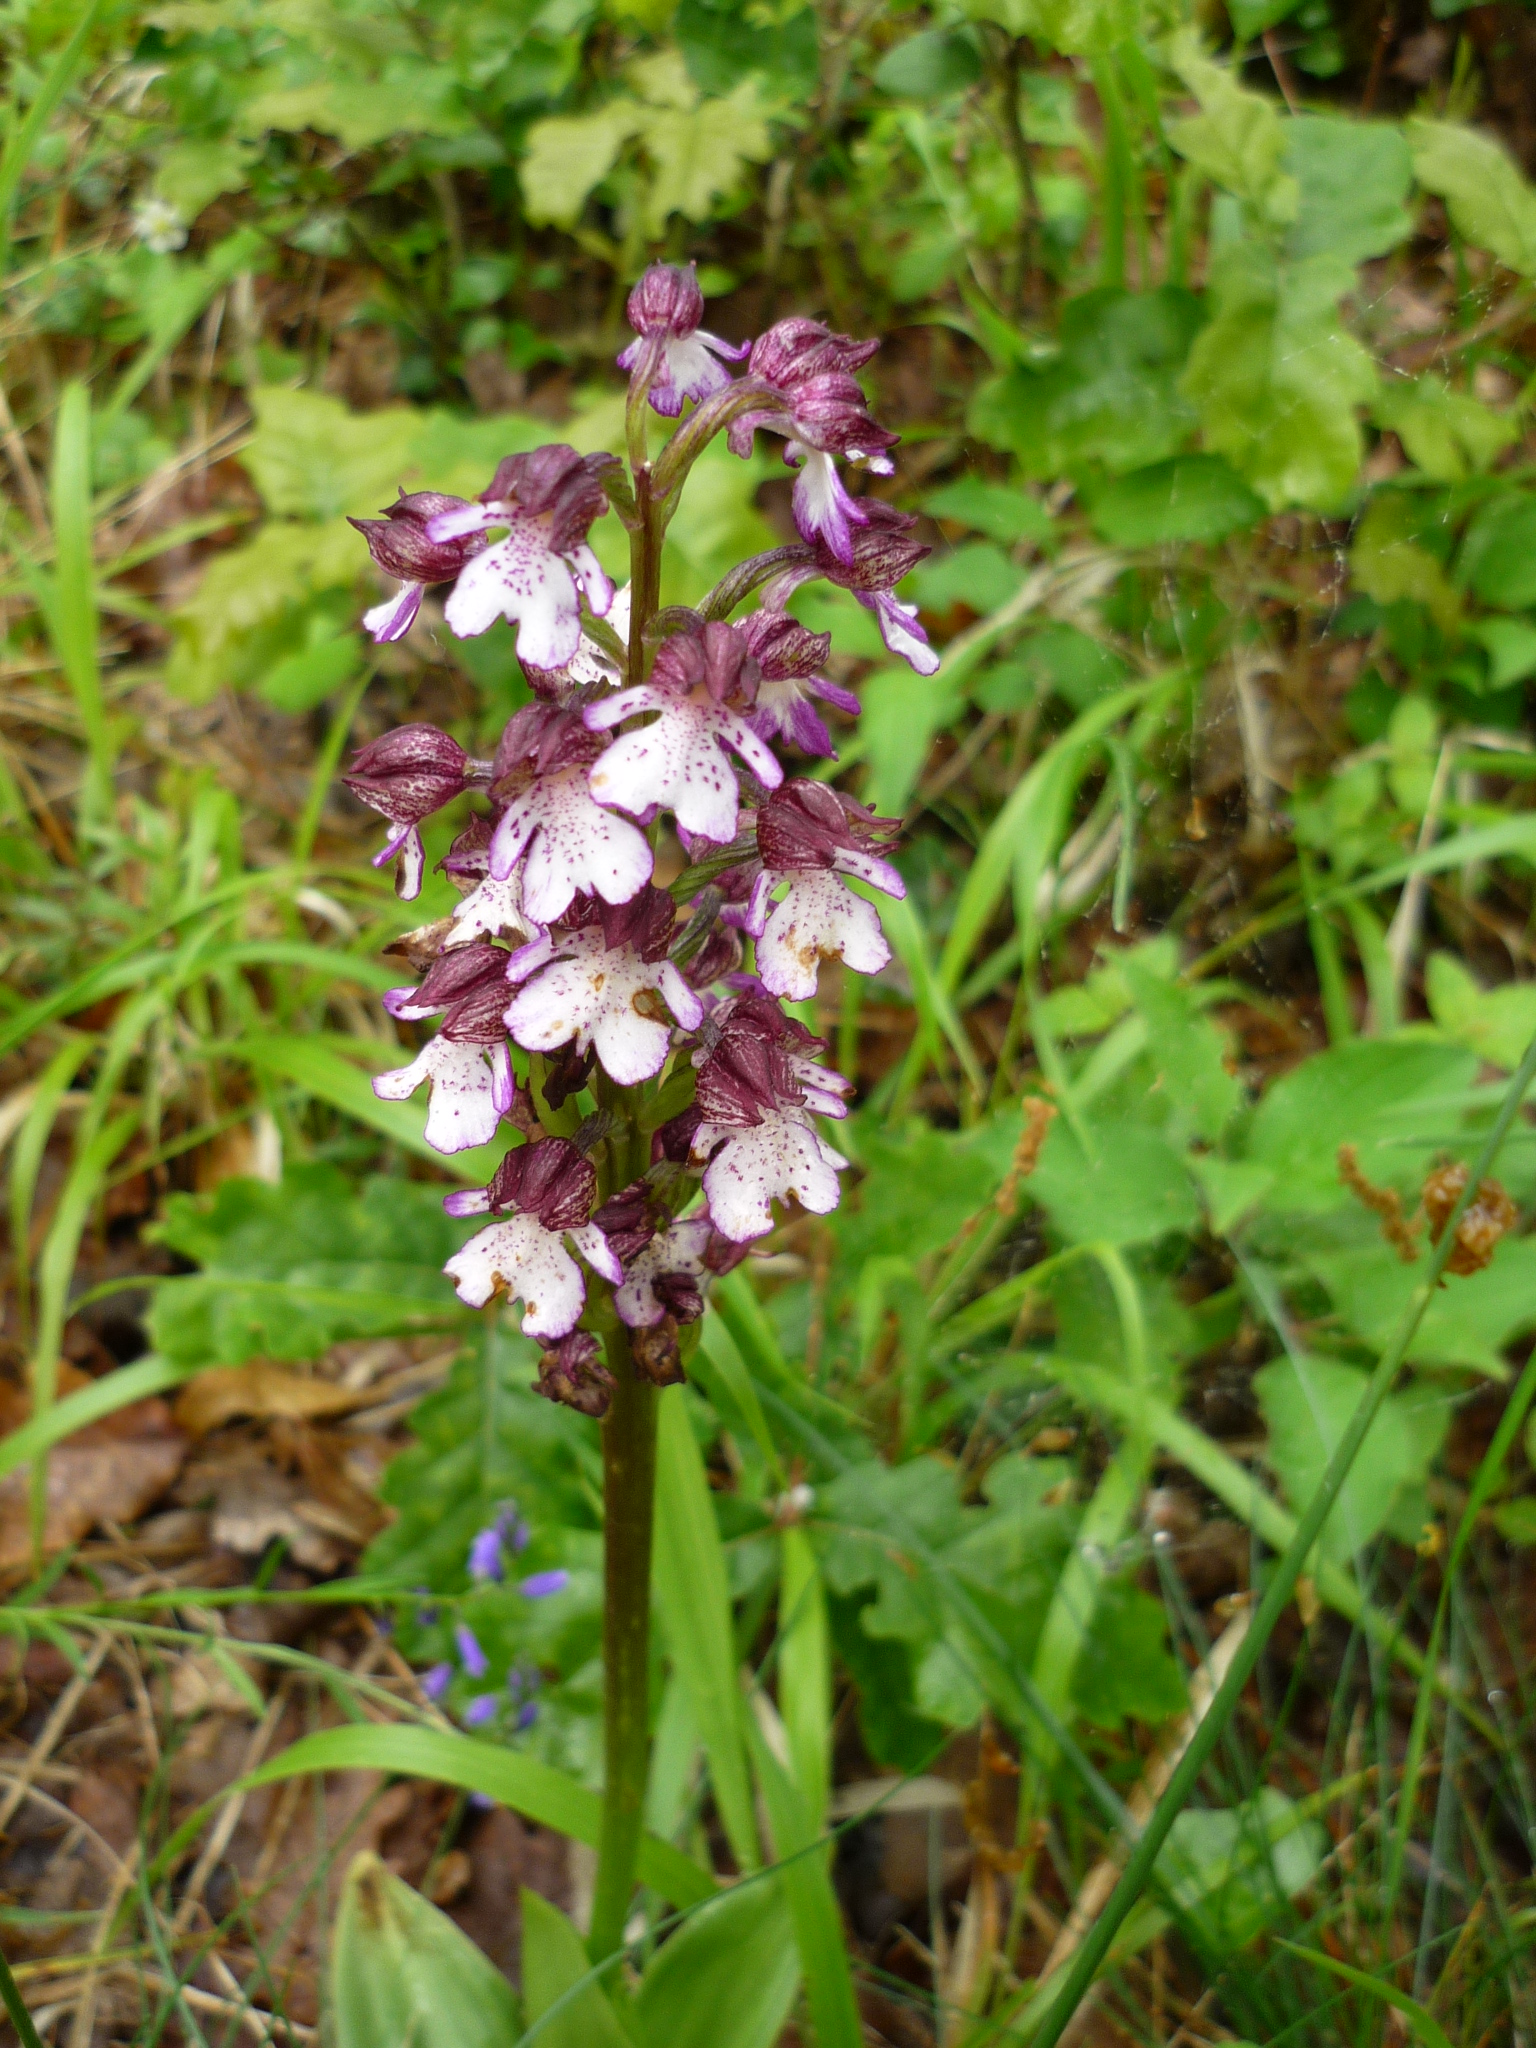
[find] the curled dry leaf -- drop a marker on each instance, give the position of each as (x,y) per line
(222,1393)
(1490,1214)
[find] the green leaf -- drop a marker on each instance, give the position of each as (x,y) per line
(1490,203)
(1447,433)
(554,1959)
(114,1390)
(71,617)
(1370,1093)
(1231,1869)
(1496,1023)
(505,1775)
(728,1978)
(361,112)
(1307,1404)
(699,153)
(1498,556)
(401,1971)
(1238,138)
(1467,1324)
(301,681)
(1074,27)
(1422,2024)
(1510,645)
(978,574)
(1187,498)
(1127,1671)
(1000,512)
(901,714)
(1354,177)
(566,157)
(1187,1052)
(1133,1191)
(1515,1521)
(1388,562)
(253,604)
(693,1589)
(1277,380)
(1110,395)
(311,458)
(290,1270)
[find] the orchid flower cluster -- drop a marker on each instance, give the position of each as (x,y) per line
(563,944)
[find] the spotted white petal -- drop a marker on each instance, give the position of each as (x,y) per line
(678,1249)
(679,761)
(571,843)
(522,579)
(465,1107)
(782,1155)
(592,996)
(819,919)
(598,1252)
(489,908)
(532,1264)
(393,619)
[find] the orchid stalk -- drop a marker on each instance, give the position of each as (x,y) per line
(661,1099)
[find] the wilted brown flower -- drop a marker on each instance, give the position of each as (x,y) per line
(1490,1213)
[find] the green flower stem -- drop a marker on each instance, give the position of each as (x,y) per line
(629,1450)
(629,1486)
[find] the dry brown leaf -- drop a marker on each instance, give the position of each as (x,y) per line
(110,1472)
(223,1392)
(256,1505)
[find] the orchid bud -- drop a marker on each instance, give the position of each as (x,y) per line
(409,773)
(666,301)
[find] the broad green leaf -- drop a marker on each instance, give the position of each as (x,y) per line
(1277,379)
(1231,1869)
(1515,1521)
(1498,556)
(977,574)
(1489,201)
(1354,177)
(699,153)
(312,458)
(1187,498)
(193,171)
(554,1961)
(527,1786)
(1238,138)
(1447,433)
(567,156)
(728,1978)
(361,112)
(1133,1191)
(693,1590)
(1372,1094)
(288,1271)
(1231,1187)
(1307,1404)
(1497,1023)
(920,1185)
(805,1670)
(401,1971)
(901,715)
(1468,1323)
(997,510)
(1110,395)
(1510,645)
(1389,563)
(1075,27)
(252,604)
(1187,1052)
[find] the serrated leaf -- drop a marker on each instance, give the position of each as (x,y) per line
(1238,138)
(1446,433)
(567,157)
(699,153)
(1353,178)
(312,458)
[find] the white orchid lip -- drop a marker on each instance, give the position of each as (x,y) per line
(592,994)
(680,761)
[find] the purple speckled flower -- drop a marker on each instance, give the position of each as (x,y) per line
(540,1585)
(665,309)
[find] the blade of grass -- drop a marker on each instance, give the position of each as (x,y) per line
(324,772)
(26,1163)
(102,1397)
(72,620)
(21,143)
(507,1776)
(1425,2027)
(15,2005)
(693,1589)
(1277,1594)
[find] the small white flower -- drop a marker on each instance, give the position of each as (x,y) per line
(819,918)
(592,994)
(678,1249)
(159,226)
(680,761)
(469,1095)
(571,843)
(489,908)
(782,1155)
(532,1263)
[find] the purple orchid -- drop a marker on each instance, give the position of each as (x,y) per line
(647,726)
(398,543)
(808,836)
(703,683)
(406,776)
(541,1194)
(468,1062)
(536,574)
(554,830)
(602,973)
(817,405)
(671,349)
(789,657)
